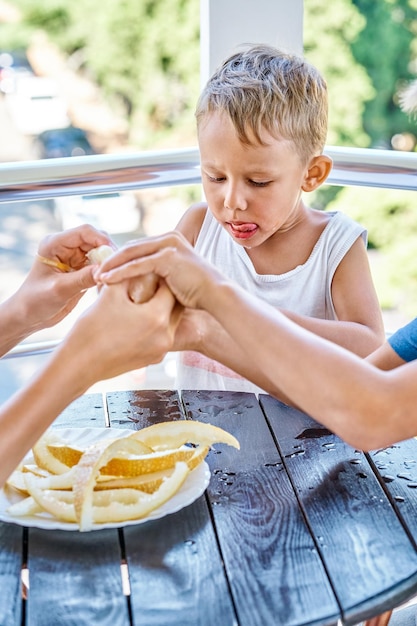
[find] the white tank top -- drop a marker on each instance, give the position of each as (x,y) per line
(306,289)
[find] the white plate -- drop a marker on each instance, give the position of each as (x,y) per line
(194,486)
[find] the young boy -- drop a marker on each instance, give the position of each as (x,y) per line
(262,125)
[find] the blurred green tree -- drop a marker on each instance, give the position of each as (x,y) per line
(329,32)
(384,48)
(391,219)
(145,56)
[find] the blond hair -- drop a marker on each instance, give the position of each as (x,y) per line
(265,88)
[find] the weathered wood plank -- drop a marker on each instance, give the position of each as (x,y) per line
(397,468)
(182,567)
(274,571)
(176,572)
(85,412)
(141,408)
(75,579)
(10,570)
(84,567)
(175,569)
(351,519)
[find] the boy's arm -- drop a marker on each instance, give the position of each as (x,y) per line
(359,326)
(201,332)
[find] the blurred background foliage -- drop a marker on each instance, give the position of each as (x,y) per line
(144,54)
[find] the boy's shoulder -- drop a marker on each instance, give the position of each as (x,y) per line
(333,228)
(323,219)
(338,218)
(191,222)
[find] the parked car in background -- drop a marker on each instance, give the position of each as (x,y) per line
(14,64)
(35,105)
(115,212)
(62,142)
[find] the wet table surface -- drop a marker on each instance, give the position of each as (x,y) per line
(296,528)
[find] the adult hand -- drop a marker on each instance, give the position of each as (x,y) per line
(115,335)
(48,294)
(190,277)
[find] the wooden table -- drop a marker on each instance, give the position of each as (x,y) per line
(296,528)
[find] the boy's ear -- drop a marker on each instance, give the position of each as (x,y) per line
(318,170)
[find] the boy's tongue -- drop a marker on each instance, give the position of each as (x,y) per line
(243,230)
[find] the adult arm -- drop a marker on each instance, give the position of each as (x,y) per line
(385,358)
(365,406)
(89,353)
(201,332)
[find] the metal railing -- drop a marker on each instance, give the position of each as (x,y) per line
(98,174)
(28,180)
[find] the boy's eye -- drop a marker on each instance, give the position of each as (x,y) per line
(259,184)
(215,179)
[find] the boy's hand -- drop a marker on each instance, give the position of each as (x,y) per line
(190,278)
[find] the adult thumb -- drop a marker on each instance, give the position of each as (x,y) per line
(81,279)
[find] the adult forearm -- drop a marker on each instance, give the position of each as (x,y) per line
(26,415)
(333,385)
(15,323)
(113,336)
(217,344)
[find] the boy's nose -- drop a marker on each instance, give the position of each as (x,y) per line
(234,200)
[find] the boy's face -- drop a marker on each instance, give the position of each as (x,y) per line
(252,190)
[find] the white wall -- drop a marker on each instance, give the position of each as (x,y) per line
(225,24)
